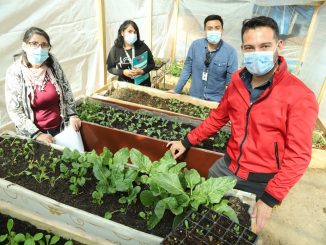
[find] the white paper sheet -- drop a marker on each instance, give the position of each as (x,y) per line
(70,138)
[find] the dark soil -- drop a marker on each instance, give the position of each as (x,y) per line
(13,162)
(173,105)
(152,124)
(60,192)
(24,228)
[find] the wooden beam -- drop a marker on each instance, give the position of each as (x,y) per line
(102,37)
(320,98)
(322,92)
(307,41)
(176,15)
(315,4)
(149,24)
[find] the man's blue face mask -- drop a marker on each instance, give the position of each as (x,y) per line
(213,37)
(259,63)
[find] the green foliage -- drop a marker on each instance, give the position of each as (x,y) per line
(175,68)
(169,185)
(13,238)
(172,188)
(76,166)
(318,140)
(221,139)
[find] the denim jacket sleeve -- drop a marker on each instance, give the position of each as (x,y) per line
(186,72)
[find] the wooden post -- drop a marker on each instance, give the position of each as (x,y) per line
(176,15)
(308,39)
(102,37)
(320,99)
(322,92)
(149,23)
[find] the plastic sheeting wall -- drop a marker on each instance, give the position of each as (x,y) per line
(191,22)
(313,68)
(73,30)
(157,29)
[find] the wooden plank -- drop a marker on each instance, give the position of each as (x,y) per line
(307,41)
(322,92)
(149,23)
(102,37)
(176,15)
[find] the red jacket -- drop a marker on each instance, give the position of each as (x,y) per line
(270,138)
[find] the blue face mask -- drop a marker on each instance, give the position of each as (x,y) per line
(130,38)
(37,56)
(259,63)
(214,37)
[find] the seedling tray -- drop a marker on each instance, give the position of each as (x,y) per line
(208,227)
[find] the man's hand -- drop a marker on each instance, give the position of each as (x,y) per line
(177,148)
(171,91)
(262,212)
(45,138)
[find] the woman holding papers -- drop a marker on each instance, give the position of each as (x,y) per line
(38,96)
(130,58)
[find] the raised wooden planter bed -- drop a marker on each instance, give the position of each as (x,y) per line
(116,85)
(82,226)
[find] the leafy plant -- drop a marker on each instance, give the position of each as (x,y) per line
(13,238)
(170,187)
(175,68)
(113,176)
(75,167)
(318,140)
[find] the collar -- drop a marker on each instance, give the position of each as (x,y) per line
(217,48)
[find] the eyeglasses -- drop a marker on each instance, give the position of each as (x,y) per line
(36,45)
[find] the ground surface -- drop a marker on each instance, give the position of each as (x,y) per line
(301,219)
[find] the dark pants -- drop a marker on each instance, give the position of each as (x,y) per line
(219,169)
(54,131)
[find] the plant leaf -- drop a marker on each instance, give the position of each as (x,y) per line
(121,156)
(54,239)
(140,160)
(147,198)
(169,182)
(192,178)
(38,236)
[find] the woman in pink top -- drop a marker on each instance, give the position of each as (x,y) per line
(38,96)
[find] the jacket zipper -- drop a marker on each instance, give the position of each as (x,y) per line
(244,138)
(276,155)
(246,131)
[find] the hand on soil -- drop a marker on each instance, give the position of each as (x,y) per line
(176,148)
(262,212)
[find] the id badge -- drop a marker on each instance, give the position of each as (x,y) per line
(204,76)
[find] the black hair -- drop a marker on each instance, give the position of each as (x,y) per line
(260,21)
(213,17)
(120,41)
(27,36)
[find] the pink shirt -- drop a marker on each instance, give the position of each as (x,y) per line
(46,107)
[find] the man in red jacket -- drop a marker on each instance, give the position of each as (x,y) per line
(272,116)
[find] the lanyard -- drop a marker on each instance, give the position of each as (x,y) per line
(209,57)
(132,55)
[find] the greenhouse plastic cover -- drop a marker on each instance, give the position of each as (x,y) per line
(73,27)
